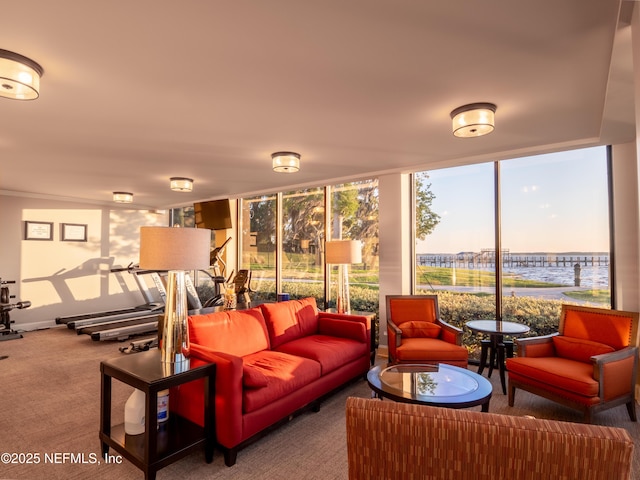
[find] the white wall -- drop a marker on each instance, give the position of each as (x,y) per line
(63,278)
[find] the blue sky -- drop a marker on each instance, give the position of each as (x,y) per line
(550,203)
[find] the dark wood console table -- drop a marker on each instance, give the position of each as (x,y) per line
(157,447)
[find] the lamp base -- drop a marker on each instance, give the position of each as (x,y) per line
(343,304)
(174,339)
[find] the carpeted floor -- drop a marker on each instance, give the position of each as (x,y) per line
(50,401)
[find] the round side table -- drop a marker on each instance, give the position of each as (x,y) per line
(496,345)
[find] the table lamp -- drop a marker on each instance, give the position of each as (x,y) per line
(175,250)
(343,253)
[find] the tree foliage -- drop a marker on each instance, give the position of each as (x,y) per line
(426,218)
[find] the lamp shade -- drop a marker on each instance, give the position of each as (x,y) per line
(473,120)
(285,162)
(174,248)
(343,252)
(19,76)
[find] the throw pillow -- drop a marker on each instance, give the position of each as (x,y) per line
(253,378)
(579,349)
(418,329)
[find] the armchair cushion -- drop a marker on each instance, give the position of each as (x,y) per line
(431,350)
(414,329)
(561,373)
(579,349)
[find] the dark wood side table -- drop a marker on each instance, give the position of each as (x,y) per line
(157,447)
(496,345)
(373,319)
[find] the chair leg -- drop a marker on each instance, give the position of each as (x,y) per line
(512,394)
(631,408)
(484,348)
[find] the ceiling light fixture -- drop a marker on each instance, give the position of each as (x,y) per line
(181,184)
(19,76)
(285,162)
(473,120)
(122,197)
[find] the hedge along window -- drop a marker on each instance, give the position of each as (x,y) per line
(302,243)
(354,216)
(258,245)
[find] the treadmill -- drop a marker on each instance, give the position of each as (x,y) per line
(82,320)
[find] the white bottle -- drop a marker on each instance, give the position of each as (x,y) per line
(134,413)
(163,406)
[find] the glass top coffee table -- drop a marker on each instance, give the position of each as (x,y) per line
(436,385)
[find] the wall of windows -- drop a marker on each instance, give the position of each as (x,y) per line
(548,218)
(283,235)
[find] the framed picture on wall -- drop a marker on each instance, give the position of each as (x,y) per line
(38,230)
(73,232)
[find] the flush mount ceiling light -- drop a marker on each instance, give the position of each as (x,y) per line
(19,76)
(285,162)
(181,184)
(122,197)
(473,120)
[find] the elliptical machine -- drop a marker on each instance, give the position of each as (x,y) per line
(6,333)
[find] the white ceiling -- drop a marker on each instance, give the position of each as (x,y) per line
(135,92)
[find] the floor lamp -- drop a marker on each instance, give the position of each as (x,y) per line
(343,253)
(175,250)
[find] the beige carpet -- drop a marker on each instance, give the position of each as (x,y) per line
(50,401)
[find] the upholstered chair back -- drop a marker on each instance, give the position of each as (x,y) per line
(614,328)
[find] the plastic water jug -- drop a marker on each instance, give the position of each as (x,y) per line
(134,413)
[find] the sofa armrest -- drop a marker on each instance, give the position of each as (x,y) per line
(536,346)
(228,401)
(449,333)
(343,328)
(357,319)
(616,372)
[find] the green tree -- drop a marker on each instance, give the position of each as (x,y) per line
(426,218)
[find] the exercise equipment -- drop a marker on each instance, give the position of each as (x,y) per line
(152,305)
(6,333)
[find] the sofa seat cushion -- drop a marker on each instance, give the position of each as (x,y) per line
(563,373)
(289,320)
(284,374)
(428,349)
(235,332)
(330,352)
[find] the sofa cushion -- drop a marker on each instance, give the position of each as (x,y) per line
(284,374)
(253,377)
(563,373)
(236,332)
(330,352)
(289,320)
(579,349)
(418,329)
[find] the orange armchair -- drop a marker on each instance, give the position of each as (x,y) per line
(417,334)
(589,365)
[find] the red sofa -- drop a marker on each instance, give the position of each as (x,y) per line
(272,360)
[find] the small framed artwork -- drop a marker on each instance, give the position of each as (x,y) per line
(38,230)
(73,232)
